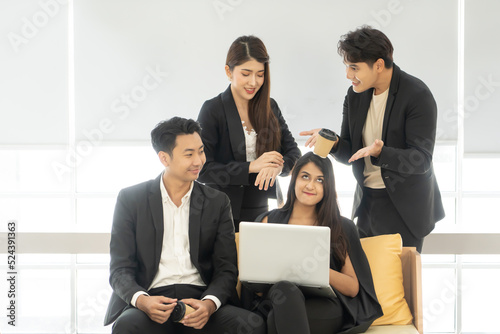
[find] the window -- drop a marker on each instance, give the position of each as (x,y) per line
(84,82)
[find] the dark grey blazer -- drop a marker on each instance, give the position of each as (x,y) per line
(137,236)
(409,132)
(226,167)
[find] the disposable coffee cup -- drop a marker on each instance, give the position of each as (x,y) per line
(180,311)
(324,142)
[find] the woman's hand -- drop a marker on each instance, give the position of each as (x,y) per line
(267,176)
(345,281)
(311,141)
(268,159)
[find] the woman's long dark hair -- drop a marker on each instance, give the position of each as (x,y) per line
(327,209)
(261,116)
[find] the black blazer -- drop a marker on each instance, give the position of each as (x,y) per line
(137,236)
(226,167)
(409,132)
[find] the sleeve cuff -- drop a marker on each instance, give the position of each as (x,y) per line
(215,300)
(135,296)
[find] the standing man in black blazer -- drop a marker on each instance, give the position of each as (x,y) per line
(388,134)
(173,240)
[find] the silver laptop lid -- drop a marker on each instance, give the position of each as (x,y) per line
(269,253)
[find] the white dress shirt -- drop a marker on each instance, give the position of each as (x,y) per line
(175,265)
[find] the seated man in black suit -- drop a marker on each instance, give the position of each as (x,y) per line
(173,240)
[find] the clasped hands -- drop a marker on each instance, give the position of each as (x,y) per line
(268,166)
(159,309)
(373,150)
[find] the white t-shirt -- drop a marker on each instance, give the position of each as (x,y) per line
(373,130)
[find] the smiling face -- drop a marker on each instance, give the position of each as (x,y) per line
(188,157)
(309,185)
(362,76)
(246,80)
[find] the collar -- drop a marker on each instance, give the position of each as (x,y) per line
(166,198)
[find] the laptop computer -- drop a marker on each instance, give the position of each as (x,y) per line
(269,253)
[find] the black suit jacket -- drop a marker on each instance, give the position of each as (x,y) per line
(137,236)
(226,167)
(409,132)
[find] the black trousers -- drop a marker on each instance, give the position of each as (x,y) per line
(377,215)
(227,319)
(288,311)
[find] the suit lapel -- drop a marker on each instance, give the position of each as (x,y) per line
(236,135)
(393,89)
(195,212)
(156,206)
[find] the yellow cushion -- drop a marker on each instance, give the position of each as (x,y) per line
(383,253)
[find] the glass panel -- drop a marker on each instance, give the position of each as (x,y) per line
(344,178)
(272,203)
(33,170)
(437,258)
(132,106)
(284,185)
(109,169)
(345,204)
(34,71)
(95,214)
(481,79)
(139,86)
(448,223)
(38,214)
(478,172)
(93,259)
(439,299)
(478,214)
(483,258)
(93,294)
(444,161)
(480,300)
(43,302)
(44,259)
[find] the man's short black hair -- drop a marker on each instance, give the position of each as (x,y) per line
(366,45)
(164,135)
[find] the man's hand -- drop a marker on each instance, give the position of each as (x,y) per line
(372,150)
(267,176)
(311,141)
(203,310)
(158,308)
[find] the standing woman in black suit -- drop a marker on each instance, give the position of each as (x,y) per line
(247,141)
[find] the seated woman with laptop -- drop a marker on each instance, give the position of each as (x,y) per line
(312,200)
